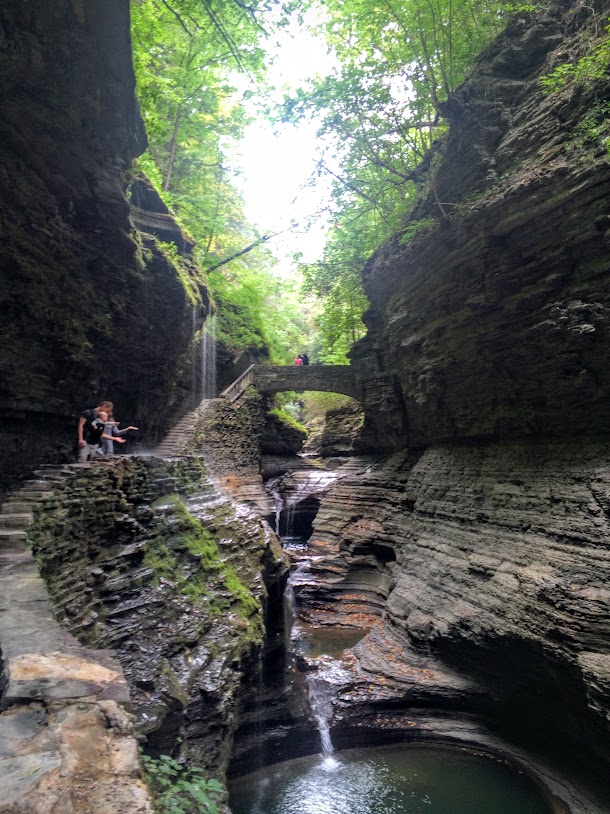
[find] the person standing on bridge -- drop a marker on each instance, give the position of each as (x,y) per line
(305,358)
(299,360)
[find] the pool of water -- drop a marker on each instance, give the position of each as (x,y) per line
(320,641)
(388,780)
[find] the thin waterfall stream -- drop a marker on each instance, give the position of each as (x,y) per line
(209,388)
(320,683)
(403,779)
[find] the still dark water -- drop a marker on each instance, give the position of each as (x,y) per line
(388,780)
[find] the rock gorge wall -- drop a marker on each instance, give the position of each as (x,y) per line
(492,319)
(495,559)
(486,547)
(181,595)
(89,308)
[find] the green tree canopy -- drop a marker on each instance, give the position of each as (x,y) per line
(378,115)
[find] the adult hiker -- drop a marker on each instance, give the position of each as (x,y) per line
(90,434)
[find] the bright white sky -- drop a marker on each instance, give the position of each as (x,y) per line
(277,164)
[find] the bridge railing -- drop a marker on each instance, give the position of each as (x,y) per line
(234,390)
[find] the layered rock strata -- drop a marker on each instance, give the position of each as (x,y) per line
(67,740)
(145,557)
(341,432)
(89,308)
(229,435)
(489,313)
(486,358)
(490,562)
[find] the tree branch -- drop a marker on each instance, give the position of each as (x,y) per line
(177,16)
(248,248)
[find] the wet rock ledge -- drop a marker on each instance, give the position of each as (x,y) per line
(144,559)
(482,572)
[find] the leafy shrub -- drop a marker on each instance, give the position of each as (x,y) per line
(179,789)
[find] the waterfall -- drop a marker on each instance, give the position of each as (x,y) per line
(278,501)
(313,483)
(322,692)
(321,697)
(195,361)
(208,358)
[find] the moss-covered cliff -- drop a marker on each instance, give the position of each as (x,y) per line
(145,557)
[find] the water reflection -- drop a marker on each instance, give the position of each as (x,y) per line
(389,780)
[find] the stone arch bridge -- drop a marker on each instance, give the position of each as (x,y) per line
(266,379)
(277,378)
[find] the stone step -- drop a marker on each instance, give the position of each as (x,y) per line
(31,496)
(52,475)
(16,506)
(16,520)
(36,486)
(12,537)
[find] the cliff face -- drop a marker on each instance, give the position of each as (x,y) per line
(494,558)
(88,308)
(489,314)
(181,589)
(487,356)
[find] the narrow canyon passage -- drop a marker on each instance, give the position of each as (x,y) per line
(441,589)
(318,666)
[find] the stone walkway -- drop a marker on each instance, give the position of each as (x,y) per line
(66,742)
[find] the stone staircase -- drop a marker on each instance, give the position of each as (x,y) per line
(44,666)
(17,513)
(175,442)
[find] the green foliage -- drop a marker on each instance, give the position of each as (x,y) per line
(415,228)
(316,405)
(594,129)
(261,310)
(337,282)
(592,67)
(187,55)
(180,789)
(523,8)
(207,576)
(377,115)
(288,418)
(184,269)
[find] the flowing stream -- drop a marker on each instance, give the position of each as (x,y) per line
(406,779)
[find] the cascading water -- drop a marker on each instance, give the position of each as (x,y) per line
(312,484)
(321,683)
(273,489)
(322,692)
(321,703)
(386,780)
(208,358)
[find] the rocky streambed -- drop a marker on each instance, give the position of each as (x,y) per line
(452,596)
(469,582)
